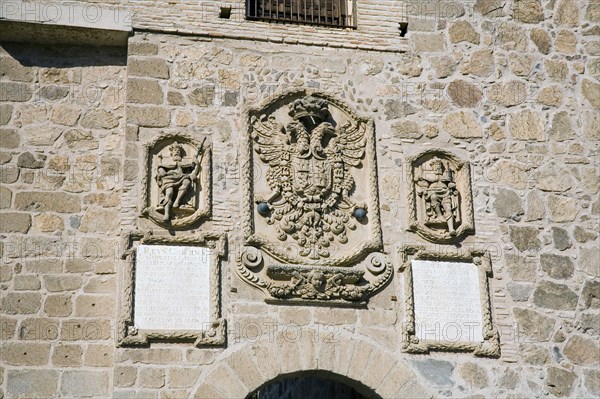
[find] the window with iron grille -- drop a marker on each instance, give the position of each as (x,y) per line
(337,13)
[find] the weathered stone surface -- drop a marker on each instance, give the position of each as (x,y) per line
(462,125)
(99,355)
(57,305)
(5,196)
(41,135)
(17,92)
(53,93)
(566,42)
(10,138)
(12,69)
(521,268)
(443,66)
(557,266)
(510,173)
(58,283)
(84,384)
(591,92)
(144,91)
(141,48)
(554,296)
(589,261)
(149,116)
(395,109)
(481,64)
(94,306)
(31,383)
(474,375)
(561,239)
(508,204)
(521,64)
(175,98)
(534,326)
(526,125)
(124,376)
(511,36)
(592,379)
(464,94)
(463,31)
(525,238)
(153,356)
(406,130)
(557,70)
(582,351)
(560,381)
(410,65)
(47,201)
(100,119)
(80,140)
(489,8)
(437,372)
(562,209)
(202,96)
(428,42)
(5,113)
(21,302)
(541,39)
(536,209)
(148,67)
(15,222)
(31,161)
(534,354)
(528,11)
(551,96)
(519,292)
(67,355)
(551,177)
(590,295)
(567,13)
(582,236)
(100,220)
(150,377)
(509,93)
(25,353)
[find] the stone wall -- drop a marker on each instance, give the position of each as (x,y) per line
(512,87)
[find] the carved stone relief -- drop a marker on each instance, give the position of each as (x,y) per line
(312,211)
(177,181)
(440,200)
(208,325)
(445,325)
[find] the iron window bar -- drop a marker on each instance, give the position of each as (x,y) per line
(335,13)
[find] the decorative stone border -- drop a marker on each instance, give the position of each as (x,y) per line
(490,347)
(205,195)
(463,182)
(129,335)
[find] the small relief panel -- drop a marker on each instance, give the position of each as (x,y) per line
(172,290)
(447,302)
(440,199)
(177,188)
(311,215)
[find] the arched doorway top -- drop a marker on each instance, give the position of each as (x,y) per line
(245,367)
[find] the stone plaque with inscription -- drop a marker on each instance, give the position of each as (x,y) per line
(172,287)
(447,301)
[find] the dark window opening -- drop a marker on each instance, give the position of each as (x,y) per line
(338,13)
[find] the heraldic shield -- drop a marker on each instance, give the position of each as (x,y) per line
(312,219)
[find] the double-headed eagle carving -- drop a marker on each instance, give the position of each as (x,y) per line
(310,159)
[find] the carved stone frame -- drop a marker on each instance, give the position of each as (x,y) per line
(467,225)
(204,209)
(490,347)
(253,238)
(129,335)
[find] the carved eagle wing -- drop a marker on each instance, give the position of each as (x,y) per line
(350,143)
(272,146)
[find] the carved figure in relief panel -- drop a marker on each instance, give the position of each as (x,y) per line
(435,184)
(440,203)
(177,179)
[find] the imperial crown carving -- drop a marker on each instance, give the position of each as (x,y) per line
(312,200)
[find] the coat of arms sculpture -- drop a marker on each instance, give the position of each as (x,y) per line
(312,203)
